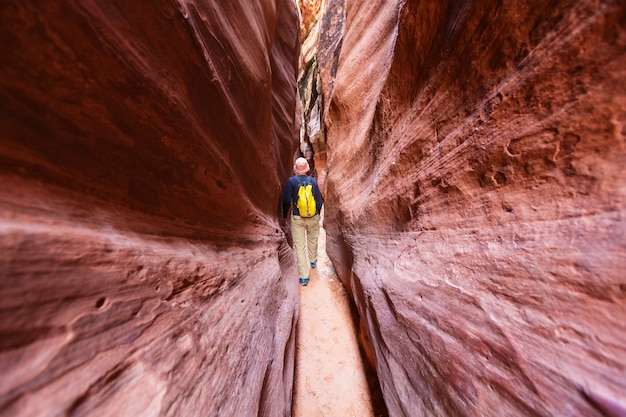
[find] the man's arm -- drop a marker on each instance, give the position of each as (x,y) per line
(319,201)
(287,198)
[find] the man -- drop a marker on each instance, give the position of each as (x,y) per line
(305,230)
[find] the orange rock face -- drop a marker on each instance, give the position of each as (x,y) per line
(475,200)
(310,12)
(142,151)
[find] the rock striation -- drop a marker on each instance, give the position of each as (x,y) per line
(476,200)
(143,147)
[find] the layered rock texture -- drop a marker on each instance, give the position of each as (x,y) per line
(472,157)
(142,151)
(475,200)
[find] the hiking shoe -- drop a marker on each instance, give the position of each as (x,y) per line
(314,264)
(304,282)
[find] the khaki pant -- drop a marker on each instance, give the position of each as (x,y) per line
(305,231)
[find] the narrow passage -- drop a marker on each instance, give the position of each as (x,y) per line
(330,378)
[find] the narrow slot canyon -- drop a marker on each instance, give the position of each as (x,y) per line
(471,157)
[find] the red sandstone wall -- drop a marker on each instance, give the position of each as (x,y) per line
(475,200)
(142,150)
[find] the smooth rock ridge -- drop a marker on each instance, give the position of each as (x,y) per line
(484,247)
(143,147)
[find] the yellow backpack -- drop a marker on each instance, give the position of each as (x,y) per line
(306,202)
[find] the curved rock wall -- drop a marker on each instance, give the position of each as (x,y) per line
(142,151)
(475,200)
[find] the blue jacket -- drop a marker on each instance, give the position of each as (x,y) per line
(290,195)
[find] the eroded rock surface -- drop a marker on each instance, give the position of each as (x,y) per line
(142,151)
(475,200)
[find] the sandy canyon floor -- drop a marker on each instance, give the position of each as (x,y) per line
(330,378)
